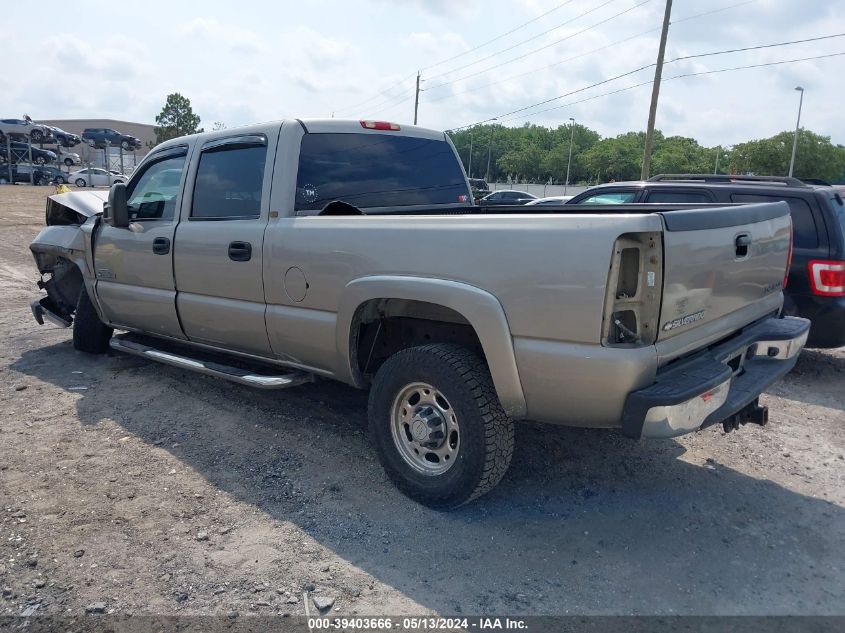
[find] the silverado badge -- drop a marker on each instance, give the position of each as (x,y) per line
(684,320)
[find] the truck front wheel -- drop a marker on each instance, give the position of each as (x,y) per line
(437,425)
(89,333)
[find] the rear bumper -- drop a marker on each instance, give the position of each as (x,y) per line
(717,384)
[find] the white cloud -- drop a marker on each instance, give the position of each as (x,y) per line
(244,63)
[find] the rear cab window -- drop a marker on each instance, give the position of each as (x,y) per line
(804,231)
(377,170)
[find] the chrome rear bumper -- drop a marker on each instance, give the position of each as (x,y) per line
(717,384)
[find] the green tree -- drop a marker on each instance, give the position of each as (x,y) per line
(681,155)
(816,156)
(619,158)
(176,119)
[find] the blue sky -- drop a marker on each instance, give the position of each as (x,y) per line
(254,61)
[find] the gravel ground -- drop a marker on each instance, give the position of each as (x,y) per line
(130,487)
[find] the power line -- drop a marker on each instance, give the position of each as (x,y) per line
(777,63)
(505,50)
(524,24)
(384,102)
(534,105)
(498,37)
(712,11)
(535,71)
(380,94)
(754,48)
(646,83)
(636,70)
(574,57)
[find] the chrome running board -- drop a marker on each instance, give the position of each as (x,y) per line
(218,370)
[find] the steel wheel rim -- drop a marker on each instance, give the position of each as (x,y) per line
(425,430)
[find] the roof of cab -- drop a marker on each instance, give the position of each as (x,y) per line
(320,126)
(354,126)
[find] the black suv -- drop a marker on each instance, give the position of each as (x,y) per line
(816,286)
(97,136)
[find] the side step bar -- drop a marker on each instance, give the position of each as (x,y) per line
(218,370)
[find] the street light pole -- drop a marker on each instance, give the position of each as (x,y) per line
(469,168)
(569,162)
(489,152)
(797,125)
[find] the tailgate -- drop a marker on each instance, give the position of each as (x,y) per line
(719,261)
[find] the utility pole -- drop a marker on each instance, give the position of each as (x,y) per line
(655,92)
(718,153)
(569,162)
(417,99)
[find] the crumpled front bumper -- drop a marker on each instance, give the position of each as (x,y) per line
(718,383)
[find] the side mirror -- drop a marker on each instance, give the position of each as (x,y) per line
(116,212)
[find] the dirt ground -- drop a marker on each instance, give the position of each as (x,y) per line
(153,490)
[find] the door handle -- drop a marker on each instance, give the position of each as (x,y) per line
(240,251)
(161,246)
(742,243)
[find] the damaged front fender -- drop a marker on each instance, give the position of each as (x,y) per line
(63,255)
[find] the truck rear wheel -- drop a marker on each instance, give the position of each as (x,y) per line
(89,333)
(437,425)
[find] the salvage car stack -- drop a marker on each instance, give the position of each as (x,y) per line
(23,158)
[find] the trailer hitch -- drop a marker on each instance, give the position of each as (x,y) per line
(753,413)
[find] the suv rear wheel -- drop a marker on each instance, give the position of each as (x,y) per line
(437,425)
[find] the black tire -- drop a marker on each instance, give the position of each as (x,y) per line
(90,335)
(60,180)
(80,182)
(39,160)
(68,162)
(486,432)
(37,136)
(126,145)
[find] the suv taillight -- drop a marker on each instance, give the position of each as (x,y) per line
(634,289)
(827,278)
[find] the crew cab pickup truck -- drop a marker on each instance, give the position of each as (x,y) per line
(350,250)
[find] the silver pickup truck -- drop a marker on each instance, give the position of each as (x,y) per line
(350,250)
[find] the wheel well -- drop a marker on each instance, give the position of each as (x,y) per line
(382,327)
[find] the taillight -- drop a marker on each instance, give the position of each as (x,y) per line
(634,287)
(827,278)
(788,259)
(380,125)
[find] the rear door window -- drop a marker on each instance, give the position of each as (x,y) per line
(804,232)
(679,197)
(229,183)
(377,170)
